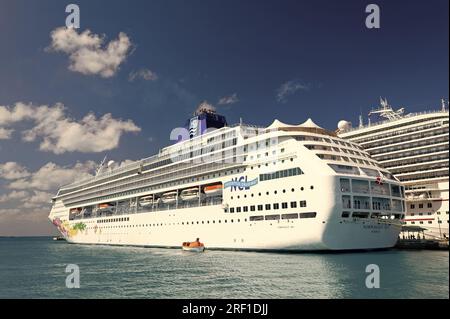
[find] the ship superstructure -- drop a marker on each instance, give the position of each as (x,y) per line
(415,148)
(282,187)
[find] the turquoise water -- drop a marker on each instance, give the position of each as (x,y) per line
(35,268)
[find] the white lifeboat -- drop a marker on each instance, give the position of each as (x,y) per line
(146,201)
(189,194)
(214,189)
(169,197)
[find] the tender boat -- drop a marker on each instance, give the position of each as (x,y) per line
(170,197)
(214,189)
(189,194)
(146,201)
(194,246)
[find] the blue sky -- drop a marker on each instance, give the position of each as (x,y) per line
(208,50)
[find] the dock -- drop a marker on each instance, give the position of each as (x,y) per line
(422,244)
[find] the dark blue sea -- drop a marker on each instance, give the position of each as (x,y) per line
(35,268)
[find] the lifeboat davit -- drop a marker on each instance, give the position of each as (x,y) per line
(170,197)
(189,194)
(214,189)
(194,246)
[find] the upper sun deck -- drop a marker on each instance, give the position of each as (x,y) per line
(394,123)
(228,137)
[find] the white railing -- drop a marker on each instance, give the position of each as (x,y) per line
(394,120)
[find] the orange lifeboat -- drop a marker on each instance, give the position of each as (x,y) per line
(194,246)
(105,206)
(213,189)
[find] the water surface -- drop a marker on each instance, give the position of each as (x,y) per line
(35,268)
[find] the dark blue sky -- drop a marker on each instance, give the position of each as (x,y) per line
(209,49)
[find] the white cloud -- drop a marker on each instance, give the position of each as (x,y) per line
(289,88)
(38,199)
(14,195)
(231,99)
(25,208)
(13,170)
(86,54)
(51,176)
(144,74)
(62,134)
(5,134)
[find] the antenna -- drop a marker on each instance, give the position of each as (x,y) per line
(386,111)
(99,168)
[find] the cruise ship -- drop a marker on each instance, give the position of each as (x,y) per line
(413,147)
(241,187)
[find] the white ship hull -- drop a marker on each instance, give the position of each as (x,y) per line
(220,230)
(295,235)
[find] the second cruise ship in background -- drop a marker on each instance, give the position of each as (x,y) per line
(414,147)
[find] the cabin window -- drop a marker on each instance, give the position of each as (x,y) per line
(284,205)
(345,214)
(397,205)
(380,189)
(308,215)
(346,201)
(360,186)
(267,206)
(238,209)
(395,190)
(381,203)
(252,208)
(289,216)
(293,204)
(361,202)
(260,207)
(232,210)
(360,214)
(345,185)
(303,203)
(276,206)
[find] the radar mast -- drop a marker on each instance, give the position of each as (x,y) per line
(386,111)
